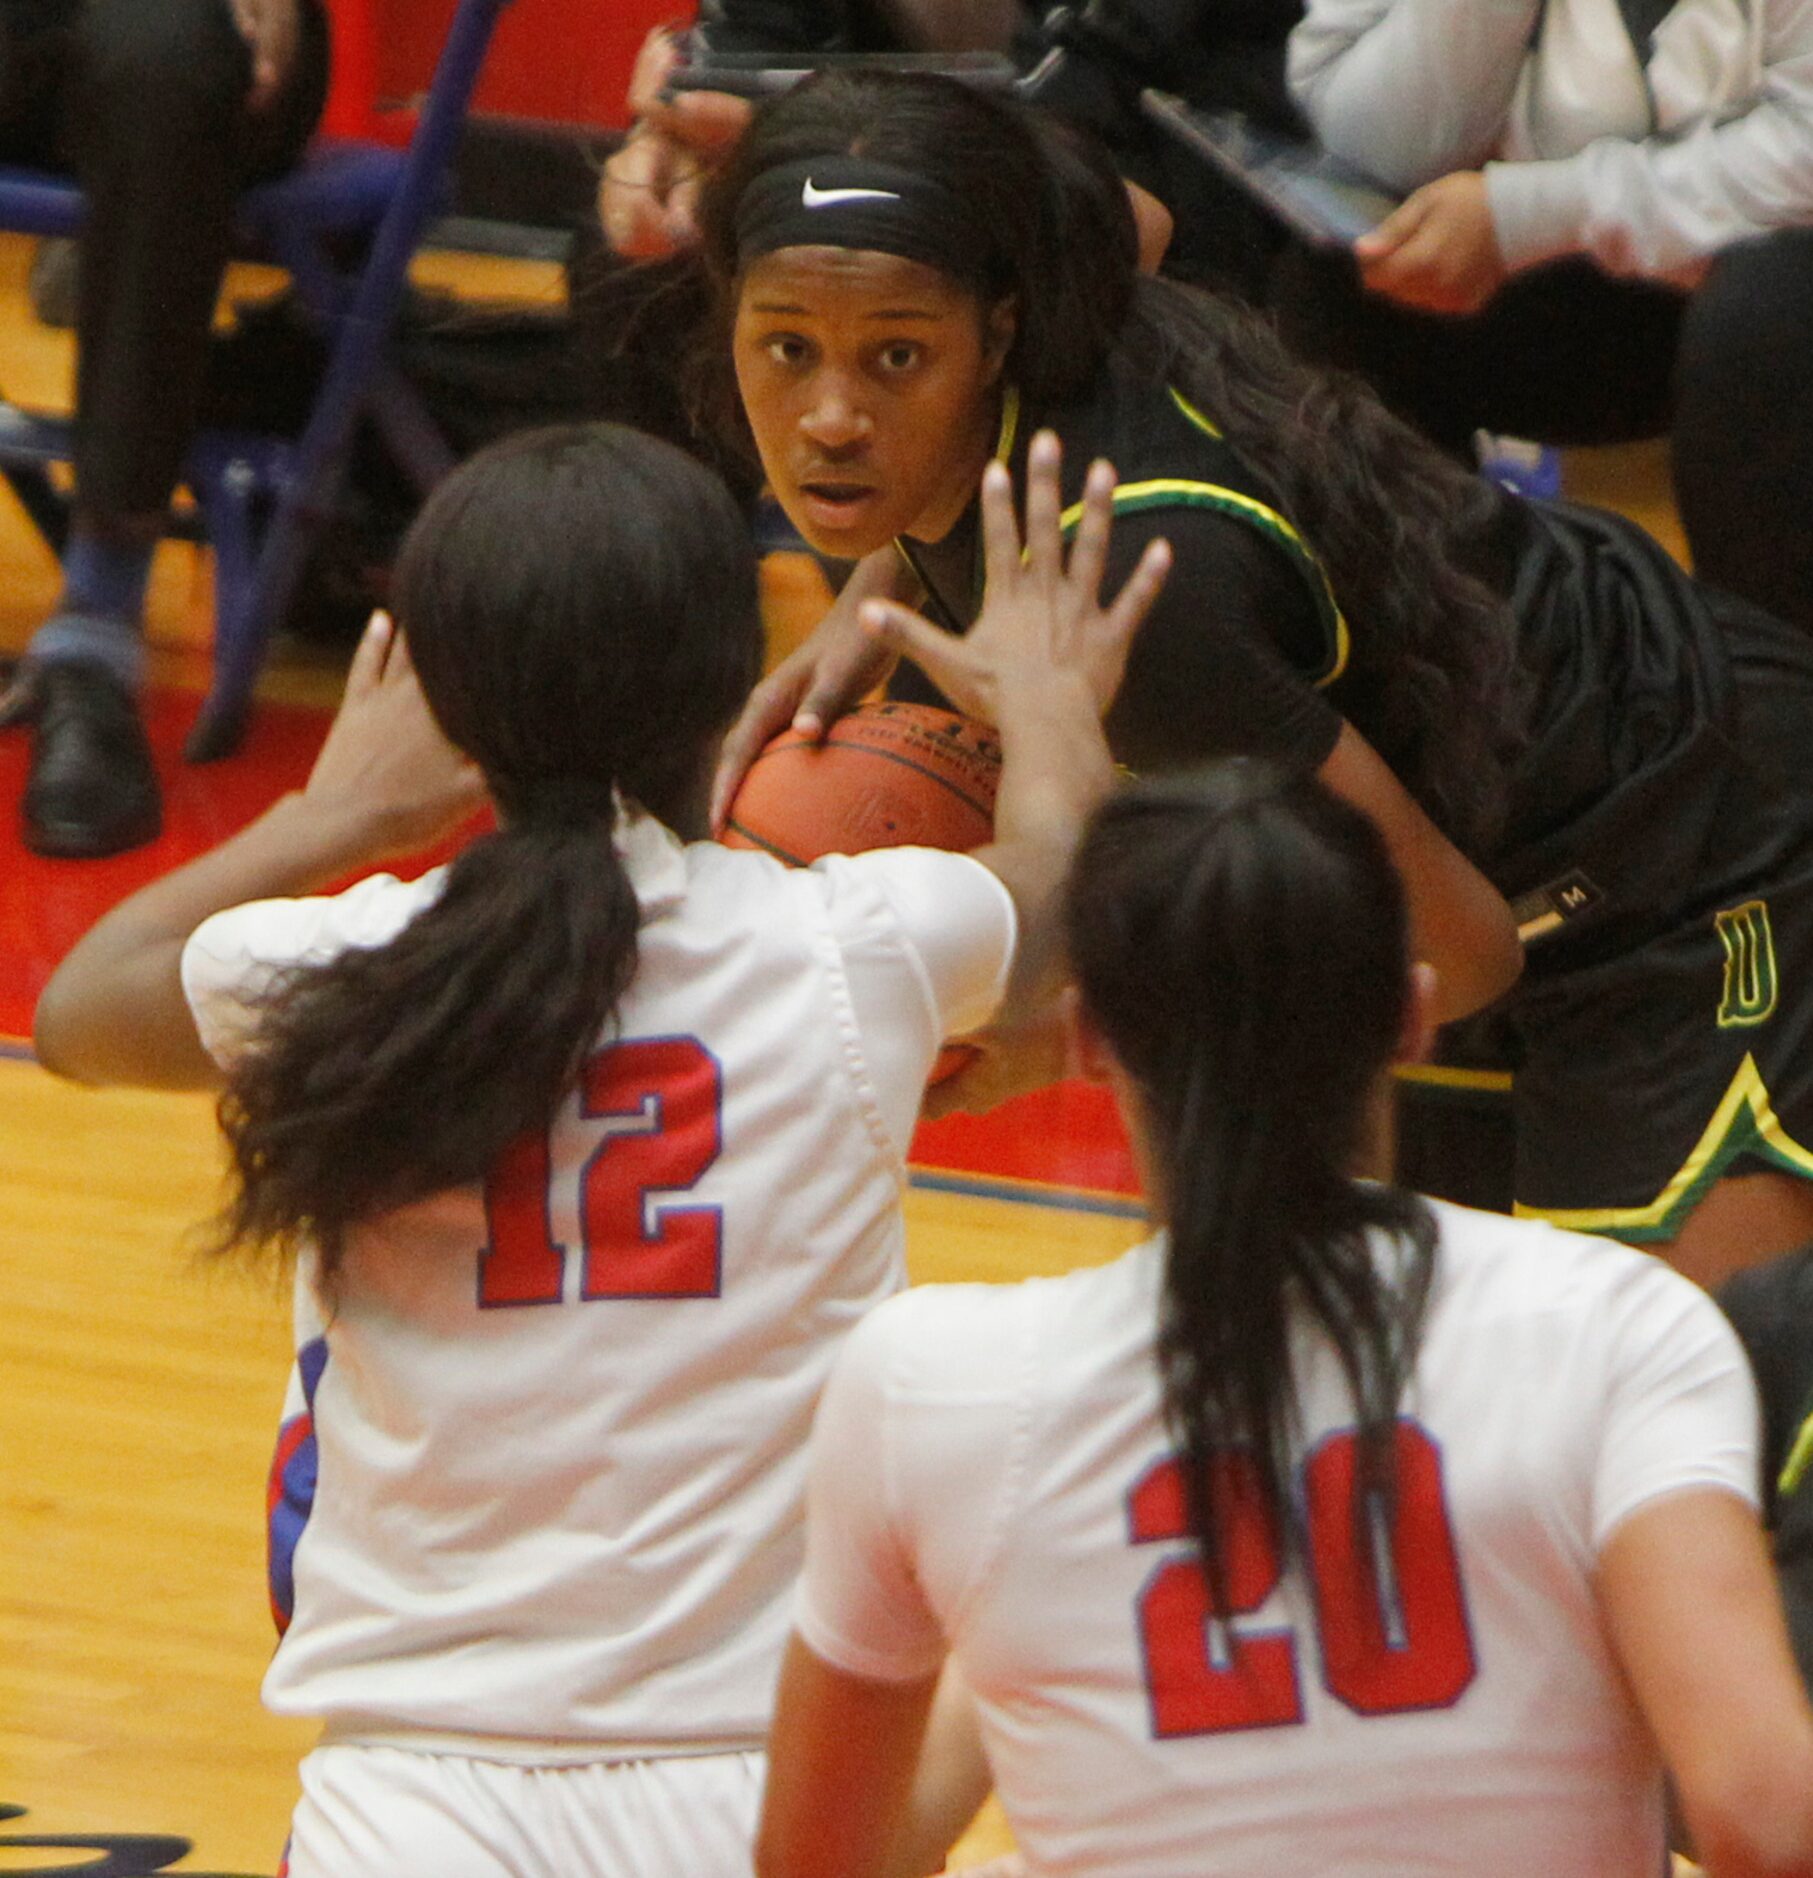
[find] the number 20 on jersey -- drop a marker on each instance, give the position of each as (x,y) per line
(1390,1608)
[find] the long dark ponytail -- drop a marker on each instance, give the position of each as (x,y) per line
(1433,680)
(580,605)
(1240,939)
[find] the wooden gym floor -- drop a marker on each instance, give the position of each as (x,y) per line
(139,1394)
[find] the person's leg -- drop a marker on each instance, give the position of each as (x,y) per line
(1743,435)
(157,129)
(1562,355)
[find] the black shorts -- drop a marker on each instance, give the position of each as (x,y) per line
(1642,1071)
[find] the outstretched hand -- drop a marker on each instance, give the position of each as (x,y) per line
(1042,614)
(814,685)
(386,763)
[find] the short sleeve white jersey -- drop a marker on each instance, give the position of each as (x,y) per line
(541,1474)
(991,1475)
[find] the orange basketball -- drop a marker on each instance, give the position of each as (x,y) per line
(887,776)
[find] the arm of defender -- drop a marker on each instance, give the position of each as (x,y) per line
(1042,663)
(386,782)
(841,1758)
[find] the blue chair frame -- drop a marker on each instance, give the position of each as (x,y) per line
(264,499)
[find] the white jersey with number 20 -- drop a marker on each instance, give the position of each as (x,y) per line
(991,1474)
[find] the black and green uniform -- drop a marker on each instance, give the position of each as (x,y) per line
(1658,846)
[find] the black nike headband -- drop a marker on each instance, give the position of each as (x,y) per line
(853,202)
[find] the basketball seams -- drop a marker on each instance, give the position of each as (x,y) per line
(846,795)
(982,808)
(734,827)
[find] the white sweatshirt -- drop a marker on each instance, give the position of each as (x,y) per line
(1649,169)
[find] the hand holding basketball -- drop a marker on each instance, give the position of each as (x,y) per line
(1042,614)
(815,684)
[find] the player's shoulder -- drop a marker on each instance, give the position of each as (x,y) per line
(370,912)
(969,1339)
(1493,1267)
(1142,424)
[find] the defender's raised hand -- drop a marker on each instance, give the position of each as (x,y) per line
(1042,614)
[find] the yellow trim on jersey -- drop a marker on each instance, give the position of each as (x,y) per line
(1010,423)
(1800,1458)
(1744,1122)
(1178,492)
(1189,410)
(1444,1077)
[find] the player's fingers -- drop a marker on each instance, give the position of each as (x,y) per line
(1138,591)
(1394,230)
(1089,548)
(771,705)
(839,682)
(399,666)
(940,655)
(1000,532)
(1044,506)
(369,655)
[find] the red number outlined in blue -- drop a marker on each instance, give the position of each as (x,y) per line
(1391,1616)
(661,1099)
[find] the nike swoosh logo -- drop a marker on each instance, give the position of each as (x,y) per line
(815,198)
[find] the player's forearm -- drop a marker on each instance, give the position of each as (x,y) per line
(1055,769)
(115,1011)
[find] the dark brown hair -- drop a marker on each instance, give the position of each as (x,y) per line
(1239,937)
(580,604)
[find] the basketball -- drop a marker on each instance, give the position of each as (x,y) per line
(887,776)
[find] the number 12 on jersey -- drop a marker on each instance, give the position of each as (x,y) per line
(657,1101)
(1390,1615)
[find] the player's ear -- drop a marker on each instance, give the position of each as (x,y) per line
(1000,323)
(1416,1042)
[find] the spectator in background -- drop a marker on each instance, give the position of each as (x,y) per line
(1609,235)
(1090,63)
(635,323)
(164,112)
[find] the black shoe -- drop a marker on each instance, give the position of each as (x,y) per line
(92,789)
